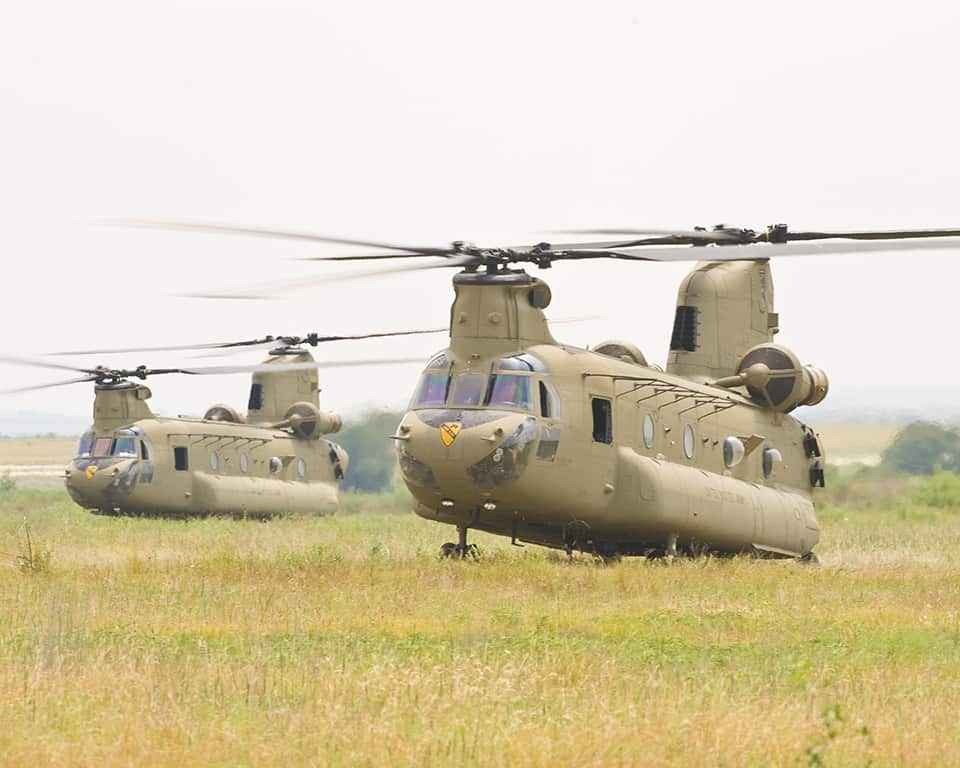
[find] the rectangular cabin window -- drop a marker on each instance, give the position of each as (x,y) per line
(180,462)
(256,397)
(144,451)
(602,420)
(685,329)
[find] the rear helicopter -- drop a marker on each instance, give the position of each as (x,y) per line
(276,459)
(514,433)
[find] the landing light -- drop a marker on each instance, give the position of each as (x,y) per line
(489,506)
(446,503)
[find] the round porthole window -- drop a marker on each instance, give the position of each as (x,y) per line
(649,430)
(244,462)
(275,465)
(733,451)
(301,469)
(214,462)
(771,458)
(688,441)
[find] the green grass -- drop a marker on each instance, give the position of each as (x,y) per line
(345,641)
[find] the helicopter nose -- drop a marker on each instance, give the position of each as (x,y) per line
(451,449)
(94,483)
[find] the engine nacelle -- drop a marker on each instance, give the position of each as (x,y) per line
(309,422)
(622,350)
(775,378)
(220,412)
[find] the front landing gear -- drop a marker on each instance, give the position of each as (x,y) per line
(462,550)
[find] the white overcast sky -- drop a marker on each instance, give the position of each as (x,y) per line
(493,122)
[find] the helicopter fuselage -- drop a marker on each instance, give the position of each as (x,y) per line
(611,456)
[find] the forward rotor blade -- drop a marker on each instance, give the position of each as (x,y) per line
(215,370)
(689,234)
(43,364)
(84,379)
(893,234)
(227,229)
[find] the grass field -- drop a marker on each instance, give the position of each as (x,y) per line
(344,641)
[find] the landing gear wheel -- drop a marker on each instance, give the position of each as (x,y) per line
(810,559)
(448,550)
(461,550)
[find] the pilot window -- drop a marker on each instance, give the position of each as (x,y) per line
(549,400)
(602,420)
(431,391)
(125,446)
(509,391)
(180,462)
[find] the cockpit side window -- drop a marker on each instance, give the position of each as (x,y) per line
(469,389)
(86,445)
(432,390)
(549,400)
(510,391)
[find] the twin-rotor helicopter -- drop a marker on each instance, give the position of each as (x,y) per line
(514,433)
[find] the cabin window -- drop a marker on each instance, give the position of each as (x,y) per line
(771,459)
(214,461)
(101,447)
(733,451)
(256,397)
(180,462)
(510,391)
(431,391)
(469,389)
(301,469)
(649,430)
(602,420)
(86,445)
(685,324)
(689,441)
(244,462)
(275,465)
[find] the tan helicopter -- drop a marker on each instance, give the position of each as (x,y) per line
(275,460)
(516,434)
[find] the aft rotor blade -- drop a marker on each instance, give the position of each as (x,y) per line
(758,251)
(893,234)
(686,234)
(81,380)
(283,234)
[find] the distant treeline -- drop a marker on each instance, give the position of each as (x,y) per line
(372,460)
(923,448)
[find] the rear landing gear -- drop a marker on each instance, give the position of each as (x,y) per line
(462,550)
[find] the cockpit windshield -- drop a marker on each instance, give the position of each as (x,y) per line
(469,389)
(101,447)
(124,446)
(509,391)
(432,390)
(86,445)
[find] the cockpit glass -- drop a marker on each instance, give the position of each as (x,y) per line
(431,391)
(522,361)
(101,446)
(125,446)
(509,391)
(439,360)
(469,389)
(86,445)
